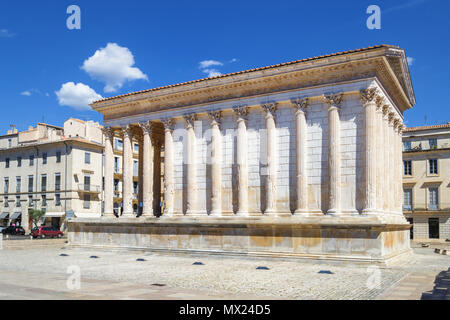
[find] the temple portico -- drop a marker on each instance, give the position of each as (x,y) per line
(276,161)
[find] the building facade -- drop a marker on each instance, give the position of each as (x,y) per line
(426,181)
(301,159)
(57,170)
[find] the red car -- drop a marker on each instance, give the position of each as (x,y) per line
(46,232)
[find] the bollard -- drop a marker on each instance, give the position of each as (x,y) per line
(437,250)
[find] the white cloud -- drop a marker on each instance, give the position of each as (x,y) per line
(4,33)
(233,60)
(77,96)
(410,60)
(212,72)
(26,93)
(113,65)
(209,63)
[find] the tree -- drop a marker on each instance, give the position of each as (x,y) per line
(36,215)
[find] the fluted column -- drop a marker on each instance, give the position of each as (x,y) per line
(368,98)
(156,176)
(216,163)
(379,153)
(334,153)
(391,162)
(109,172)
(191,168)
(395,165)
(241,157)
(127,193)
(147,167)
(399,153)
(169,191)
(271,155)
(302,178)
(385,160)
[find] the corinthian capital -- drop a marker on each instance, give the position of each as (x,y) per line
(333,99)
(241,112)
(146,127)
(168,124)
(300,104)
(215,116)
(108,132)
(190,120)
(127,131)
(269,108)
(368,95)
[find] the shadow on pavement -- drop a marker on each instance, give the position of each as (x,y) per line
(441,290)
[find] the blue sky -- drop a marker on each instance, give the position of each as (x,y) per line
(155,43)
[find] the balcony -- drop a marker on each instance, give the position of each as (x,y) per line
(88,188)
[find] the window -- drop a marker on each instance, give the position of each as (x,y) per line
(44,158)
(58,156)
(17,201)
(87,201)
(407,199)
(31,160)
(30,183)
(87,182)
(57,181)
(44,182)
(87,157)
(116,185)
(6,187)
(9,143)
(136,147)
(6,202)
(433,143)
(116,164)
(433,194)
(135,168)
(433,166)
(44,200)
(135,189)
(118,144)
(433,228)
(407,167)
(19,162)
(7,163)
(57,199)
(18,184)
(30,200)
(406,145)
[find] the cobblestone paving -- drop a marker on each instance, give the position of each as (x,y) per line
(218,277)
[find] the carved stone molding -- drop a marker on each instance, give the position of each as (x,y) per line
(169,124)
(386,110)
(380,101)
(127,131)
(391,118)
(241,112)
(368,95)
(215,116)
(190,119)
(333,100)
(300,104)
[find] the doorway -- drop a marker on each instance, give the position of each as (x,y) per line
(433,228)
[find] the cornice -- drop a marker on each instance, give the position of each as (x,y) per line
(240,86)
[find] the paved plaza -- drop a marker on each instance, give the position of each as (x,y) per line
(46,269)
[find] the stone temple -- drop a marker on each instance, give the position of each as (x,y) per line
(296,160)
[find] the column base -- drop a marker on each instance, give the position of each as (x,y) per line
(242,214)
(215,213)
(370,212)
(270,212)
(334,212)
(127,215)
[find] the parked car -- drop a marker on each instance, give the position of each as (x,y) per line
(14,230)
(46,232)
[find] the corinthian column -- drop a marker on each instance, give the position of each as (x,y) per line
(368,99)
(385,160)
(191,172)
(147,177)
(271,174)
(391,161)
(216,164)
(168,168)
(334,153)
(302,179)
(241,157)
(127,193)
(399,166)
(109,172)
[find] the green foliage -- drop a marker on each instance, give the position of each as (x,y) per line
(36,215)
